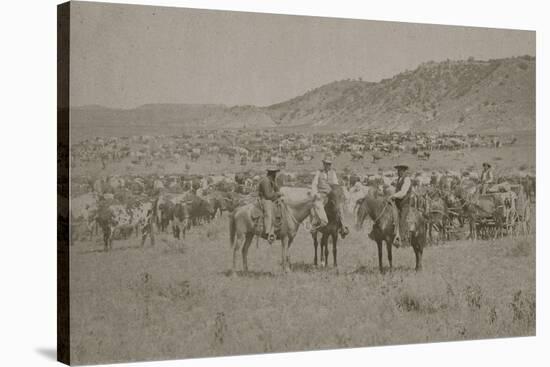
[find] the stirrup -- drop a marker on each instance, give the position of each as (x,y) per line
(344,231)
(397,241)
(271,238)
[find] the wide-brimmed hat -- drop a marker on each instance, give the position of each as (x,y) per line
(327,159)
(401,166)
(486,164)
(272,169)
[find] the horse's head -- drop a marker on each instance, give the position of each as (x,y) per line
(361,213)
(387,190)
(414,221)
(365,206)
(337,199)
(452,199)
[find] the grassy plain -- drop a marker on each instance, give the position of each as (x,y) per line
(178,300)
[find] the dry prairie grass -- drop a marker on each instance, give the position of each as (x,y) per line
(176,301)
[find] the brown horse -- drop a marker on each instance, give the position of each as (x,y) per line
(334,208)
(383,229)
(242,227)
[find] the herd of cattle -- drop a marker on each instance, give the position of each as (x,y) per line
(123,206)
(244,146)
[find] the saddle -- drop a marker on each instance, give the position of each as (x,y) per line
(257,215)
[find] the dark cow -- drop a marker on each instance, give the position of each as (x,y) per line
(200,210)
(165,214)
(180,221)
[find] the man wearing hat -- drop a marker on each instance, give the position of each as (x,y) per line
(321,186)
(401,198)
(268,191)
(487,177)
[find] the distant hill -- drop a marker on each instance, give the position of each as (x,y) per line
(471,95)
(185,114)
(491,96)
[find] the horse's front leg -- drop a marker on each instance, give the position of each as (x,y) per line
(389,249)
(417,247)
(143,235)
(236,247)
(380,266)
(315,243)
(284,249)
(334,244)
(246,245)
(290,239)
(106,238)
(151,234)
(324,250)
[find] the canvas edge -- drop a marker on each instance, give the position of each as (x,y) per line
(63,235)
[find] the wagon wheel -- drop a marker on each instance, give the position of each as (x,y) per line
(512,223)
(516,224)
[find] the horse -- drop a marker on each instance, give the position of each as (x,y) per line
(383,229)
(355,193)
(334,208)
(416,225)
(436,214)
(242,228)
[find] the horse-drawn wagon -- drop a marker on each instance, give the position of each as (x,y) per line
(520,217)
(502,212)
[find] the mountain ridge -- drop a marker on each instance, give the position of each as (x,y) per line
(470,95)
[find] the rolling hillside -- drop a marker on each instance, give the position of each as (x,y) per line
(492,96)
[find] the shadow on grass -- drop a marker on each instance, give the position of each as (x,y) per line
(115,249)
(304,267)
(249,274)
(401,269)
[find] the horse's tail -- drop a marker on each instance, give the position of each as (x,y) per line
(232,229)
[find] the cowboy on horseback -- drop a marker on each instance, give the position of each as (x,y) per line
(487,177)
(401,200)
(321,186)
(268,191)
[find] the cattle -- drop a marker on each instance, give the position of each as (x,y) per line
(118,219)
(195,156)
(425,155)
(83,214)
(200,210)
(158,185)
(180,220)
(165,214)
(115,183)
(165,208)
(355,156)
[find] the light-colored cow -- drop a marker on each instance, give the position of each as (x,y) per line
(116,218)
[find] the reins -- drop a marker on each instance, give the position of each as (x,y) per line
(382,212)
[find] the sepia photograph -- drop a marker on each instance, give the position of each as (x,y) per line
(235,183)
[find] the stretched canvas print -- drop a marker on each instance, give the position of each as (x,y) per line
(234,183)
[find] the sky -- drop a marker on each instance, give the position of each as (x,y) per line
(124,56)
